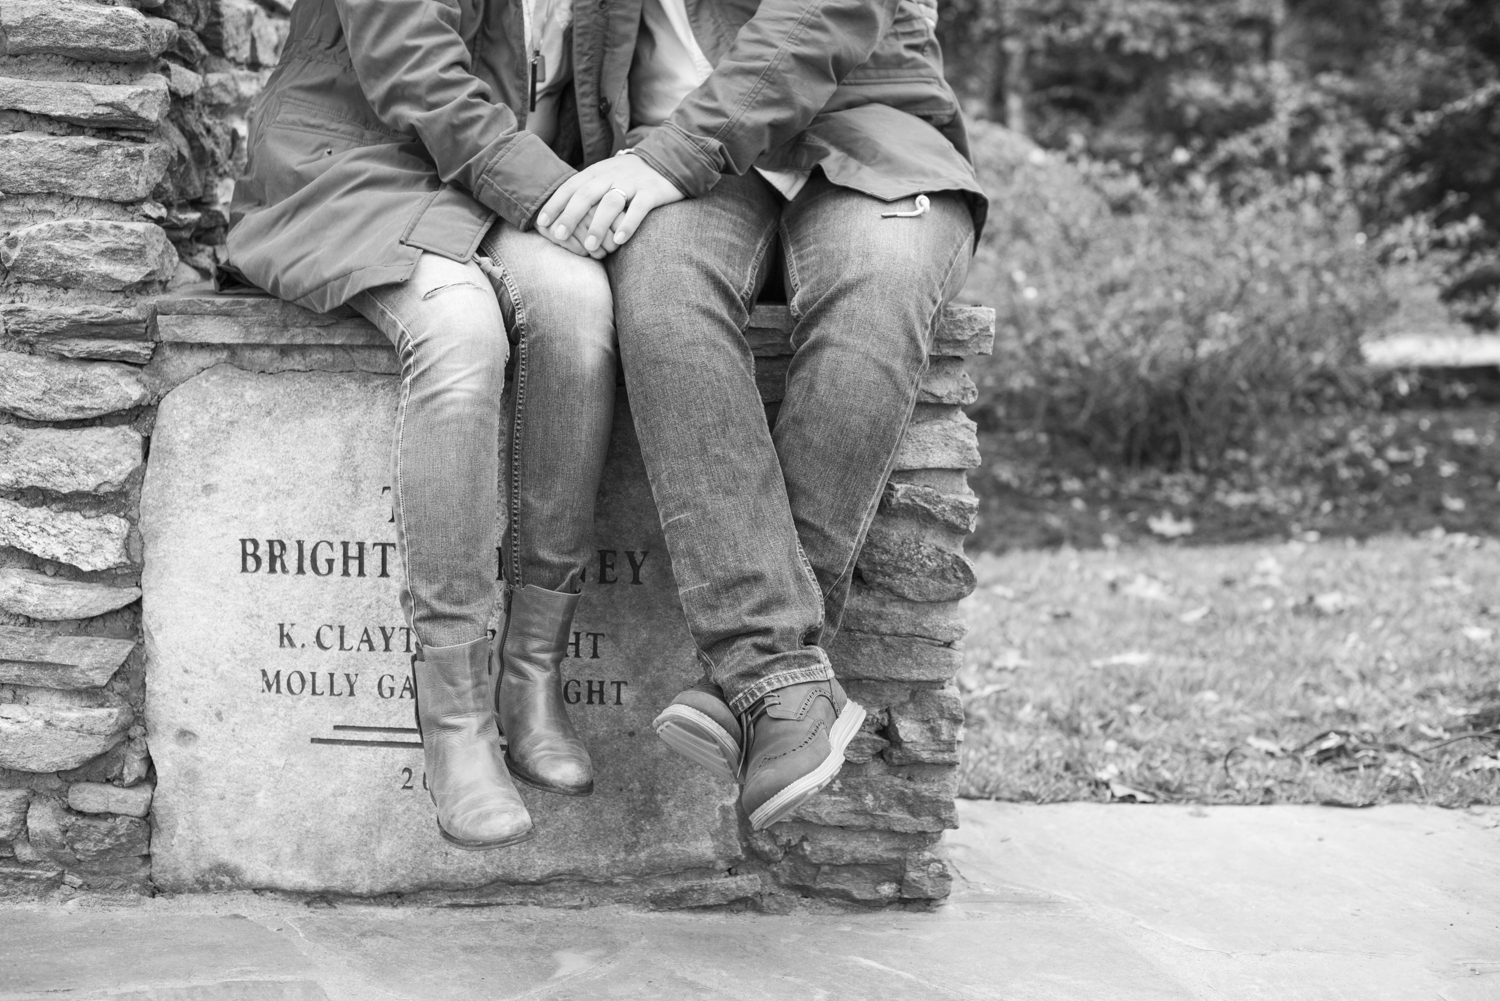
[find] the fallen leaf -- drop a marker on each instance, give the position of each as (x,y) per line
(1110,541)
(1146,588)
(1123,793)
(1333,602)
(1478,634)
(1195,615)
(1265,746)
(1450,584)
(1169,526)
(1008,660)
(1486,763)
(1134,658)
(1001,591)
(1454,504)
(1268,566)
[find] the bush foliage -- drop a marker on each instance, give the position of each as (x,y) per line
(1164,330)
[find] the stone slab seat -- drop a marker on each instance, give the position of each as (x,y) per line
(209,318)
(278,706)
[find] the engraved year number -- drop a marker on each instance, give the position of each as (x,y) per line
(408,777)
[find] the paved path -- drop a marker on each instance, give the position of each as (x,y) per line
(1071,903)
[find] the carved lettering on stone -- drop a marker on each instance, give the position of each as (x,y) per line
(279,690)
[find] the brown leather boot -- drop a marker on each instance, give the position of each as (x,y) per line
(478,807)
(542,748)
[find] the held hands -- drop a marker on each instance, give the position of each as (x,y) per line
(600,207)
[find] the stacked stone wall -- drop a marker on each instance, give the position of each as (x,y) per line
(121,128)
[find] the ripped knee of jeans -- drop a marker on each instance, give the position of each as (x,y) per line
(460,284)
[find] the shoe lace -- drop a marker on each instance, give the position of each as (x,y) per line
(747,729)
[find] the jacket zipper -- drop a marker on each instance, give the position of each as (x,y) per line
(537,65)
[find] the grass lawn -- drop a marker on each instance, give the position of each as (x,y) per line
(1337,671)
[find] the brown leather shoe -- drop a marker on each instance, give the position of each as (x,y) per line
(478,807)
(541,746)
(795,739)
(700,726)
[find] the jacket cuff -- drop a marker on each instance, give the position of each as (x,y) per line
(520,178)
(679,158)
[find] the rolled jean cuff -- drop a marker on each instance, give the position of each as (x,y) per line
(821,671)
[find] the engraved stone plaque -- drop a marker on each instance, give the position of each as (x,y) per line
(278,699)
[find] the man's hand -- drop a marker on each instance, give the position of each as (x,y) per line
(620,192)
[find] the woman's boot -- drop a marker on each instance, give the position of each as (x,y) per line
(542,748)
(478,807)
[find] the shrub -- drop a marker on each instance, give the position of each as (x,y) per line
(1163,332)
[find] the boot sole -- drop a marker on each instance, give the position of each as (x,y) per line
(801,790)
(485,846)
(694,735)
(541,786)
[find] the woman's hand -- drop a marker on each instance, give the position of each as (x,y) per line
(619,192)
(569,243)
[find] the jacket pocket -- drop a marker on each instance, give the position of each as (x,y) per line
(450,223)
(298,145)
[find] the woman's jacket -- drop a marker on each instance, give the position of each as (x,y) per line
(391,127)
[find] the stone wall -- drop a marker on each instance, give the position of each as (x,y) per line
(121,127)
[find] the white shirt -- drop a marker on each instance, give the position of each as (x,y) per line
(669,65)
(547,23)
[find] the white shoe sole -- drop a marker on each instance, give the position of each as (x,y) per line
(809,785)
(694,735)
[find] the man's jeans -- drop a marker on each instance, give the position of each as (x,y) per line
(763,526)
(448,323)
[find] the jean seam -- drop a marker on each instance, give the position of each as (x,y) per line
(793,278)
(513,516)
(911,406)
(405,350)
(747,291)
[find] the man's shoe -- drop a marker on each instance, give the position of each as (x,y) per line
(541,746)
(477,806)
(795,739)
(700,726)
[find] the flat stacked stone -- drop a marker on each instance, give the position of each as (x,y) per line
(120,128)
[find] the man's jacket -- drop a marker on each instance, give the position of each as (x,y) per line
(391,127)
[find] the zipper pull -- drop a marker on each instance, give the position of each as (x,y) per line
(538,74)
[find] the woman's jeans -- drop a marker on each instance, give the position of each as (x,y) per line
(763,525)
(449,325)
